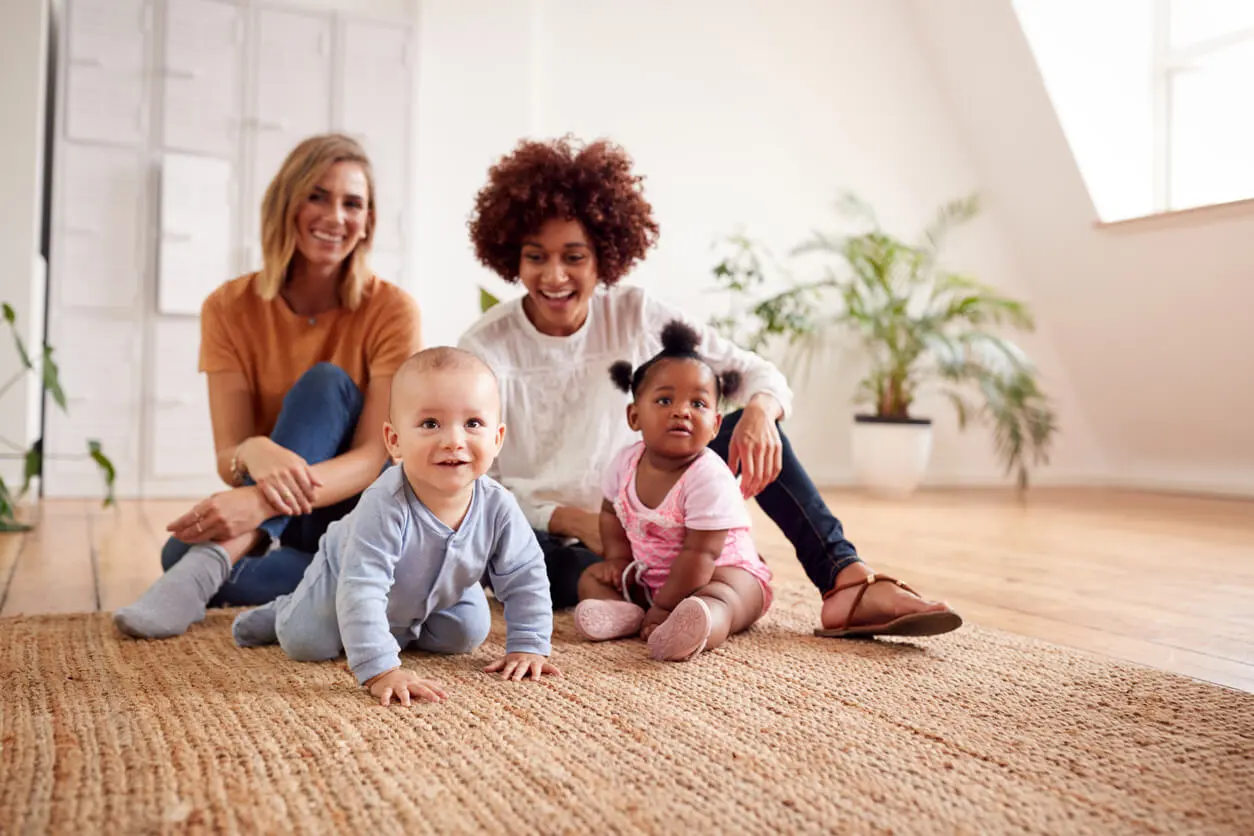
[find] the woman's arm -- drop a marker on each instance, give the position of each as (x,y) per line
(350,473)
(231,413)
(230,407)
(584,526)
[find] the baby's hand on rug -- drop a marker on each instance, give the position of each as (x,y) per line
(400,684)
(652,619)
(518,665)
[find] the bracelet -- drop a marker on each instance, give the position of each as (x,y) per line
(238,469)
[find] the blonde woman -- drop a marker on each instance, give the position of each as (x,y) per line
(299,357)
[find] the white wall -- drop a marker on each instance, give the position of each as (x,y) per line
(1158,343)
(747,114)
(23,45)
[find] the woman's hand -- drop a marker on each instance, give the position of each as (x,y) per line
(284,477)
(223,516)
(756,450)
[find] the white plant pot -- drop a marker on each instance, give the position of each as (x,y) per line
(890,457)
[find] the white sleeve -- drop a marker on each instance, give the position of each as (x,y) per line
(758,374)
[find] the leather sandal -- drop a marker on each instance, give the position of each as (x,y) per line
(914,624)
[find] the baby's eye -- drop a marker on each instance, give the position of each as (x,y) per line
(698,404)
(663,401)
(430,424)
(474,424)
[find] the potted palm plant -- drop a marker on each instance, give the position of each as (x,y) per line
(922,329)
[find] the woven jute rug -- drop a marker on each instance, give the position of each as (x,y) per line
(776,732)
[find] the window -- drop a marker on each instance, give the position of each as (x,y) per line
(1155,97)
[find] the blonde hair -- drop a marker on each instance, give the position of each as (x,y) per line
(288,191)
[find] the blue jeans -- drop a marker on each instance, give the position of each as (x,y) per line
(317,422)
(792,502)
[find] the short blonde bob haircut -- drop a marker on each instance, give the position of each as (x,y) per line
(287,193)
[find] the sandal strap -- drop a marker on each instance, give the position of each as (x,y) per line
(865,583)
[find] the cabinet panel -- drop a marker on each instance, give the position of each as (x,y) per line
(99,361)
(106,59)
(293,97)
(181,439)
(202,101)
(375,91)
(97,259)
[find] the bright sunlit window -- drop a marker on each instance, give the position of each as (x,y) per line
(1156,97)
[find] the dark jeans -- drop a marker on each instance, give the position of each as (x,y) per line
(317,422)
(792,502)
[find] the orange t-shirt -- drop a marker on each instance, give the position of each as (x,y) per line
(273,346)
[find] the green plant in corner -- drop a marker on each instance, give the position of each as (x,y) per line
(33,457)
(921,327)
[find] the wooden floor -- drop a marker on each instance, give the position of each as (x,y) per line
(1160,580)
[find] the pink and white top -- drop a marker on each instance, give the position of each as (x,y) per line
(706,498)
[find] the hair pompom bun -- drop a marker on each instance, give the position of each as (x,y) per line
(729,383)
(679,338)
(620,373)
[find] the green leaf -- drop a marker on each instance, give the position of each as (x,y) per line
(52,381)
(487,301)
(33,466)
(8,511)
(106,468)
(10,316)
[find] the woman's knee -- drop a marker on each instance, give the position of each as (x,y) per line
(172,552)
(326,382)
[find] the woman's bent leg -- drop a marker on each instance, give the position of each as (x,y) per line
(565,564)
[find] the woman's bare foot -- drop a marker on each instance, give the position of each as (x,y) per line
(881,604)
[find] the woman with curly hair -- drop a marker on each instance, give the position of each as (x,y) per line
(569,221)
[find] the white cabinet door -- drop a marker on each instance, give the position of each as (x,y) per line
(106,59)
(97,259)
(374,91)
(100,361)
(181,437)
(203,56)
(292,101)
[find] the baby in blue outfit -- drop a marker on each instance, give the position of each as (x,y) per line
(404,567)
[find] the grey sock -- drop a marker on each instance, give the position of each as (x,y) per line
(256,627)
(177,599)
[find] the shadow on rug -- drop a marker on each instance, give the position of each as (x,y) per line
(777,731)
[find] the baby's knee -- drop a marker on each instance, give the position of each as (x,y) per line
(305,645)
(461,635)
(473,630)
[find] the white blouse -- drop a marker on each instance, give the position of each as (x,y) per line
(565,419)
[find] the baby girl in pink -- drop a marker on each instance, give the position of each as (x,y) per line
(680,568)
(705,498)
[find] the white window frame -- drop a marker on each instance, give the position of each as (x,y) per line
(1167,62)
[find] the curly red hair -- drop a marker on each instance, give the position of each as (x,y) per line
(540,181)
